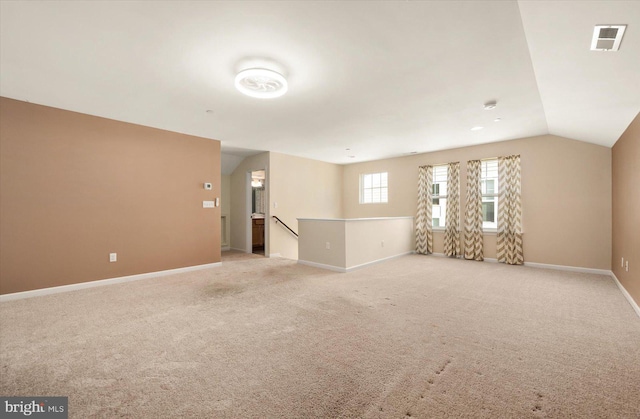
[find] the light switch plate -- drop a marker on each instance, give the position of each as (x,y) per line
(208,204)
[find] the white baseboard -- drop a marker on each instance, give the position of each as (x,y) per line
(322,266)
(351,268)
(275,255)
(102,282)
(544,266)
(225,248)
(626,294)
(568,268)
(364,265)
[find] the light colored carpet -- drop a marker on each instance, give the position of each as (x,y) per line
(234,255)
(418,336)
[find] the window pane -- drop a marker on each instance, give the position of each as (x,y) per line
(440,174)
(488,211)
(383,179)
(366,196)
(376,180)
(383,195)
(443,188)
(376,195)
(366,181)
(490,169)
(435,189)
(491,186)
(439,213)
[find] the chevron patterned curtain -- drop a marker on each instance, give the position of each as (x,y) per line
(509,211)
(473,239)
(424,226)
(452,221)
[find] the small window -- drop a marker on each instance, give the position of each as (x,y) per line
(490,186)
(374,188)
(439,196)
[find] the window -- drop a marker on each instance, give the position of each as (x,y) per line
(374,188)
(490,186)
(439,196)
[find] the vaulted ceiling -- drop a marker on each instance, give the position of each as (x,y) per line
(381,79)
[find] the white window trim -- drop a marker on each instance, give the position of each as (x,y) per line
(361,189)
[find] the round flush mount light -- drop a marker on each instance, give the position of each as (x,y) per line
(490,105)
(476,128)
(261,83)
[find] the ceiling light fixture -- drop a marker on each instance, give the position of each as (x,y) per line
(490,105)
(476,128)
(497,120)
(261,83)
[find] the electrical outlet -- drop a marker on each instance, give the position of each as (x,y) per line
(328,245)
(627,266)
(113,257)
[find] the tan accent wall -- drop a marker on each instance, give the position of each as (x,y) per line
(301,188)
(626,208)
(240,191)
(566,191)
(74,188)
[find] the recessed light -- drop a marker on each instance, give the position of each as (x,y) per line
(414,152)
(476,128)
(261,83)
(352,157)
(490,105)
(209,111)
(497,120)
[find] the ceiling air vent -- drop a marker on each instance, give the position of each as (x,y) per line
(607,37)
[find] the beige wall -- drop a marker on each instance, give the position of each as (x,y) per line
(626,208)
(346,244)
(314,234)
(74,188)
(240,209)
(225,210)
(301,188)
(566,191)
(371,240)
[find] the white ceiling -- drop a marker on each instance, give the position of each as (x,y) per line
(383,79)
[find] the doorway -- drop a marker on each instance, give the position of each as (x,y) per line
(258,211)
